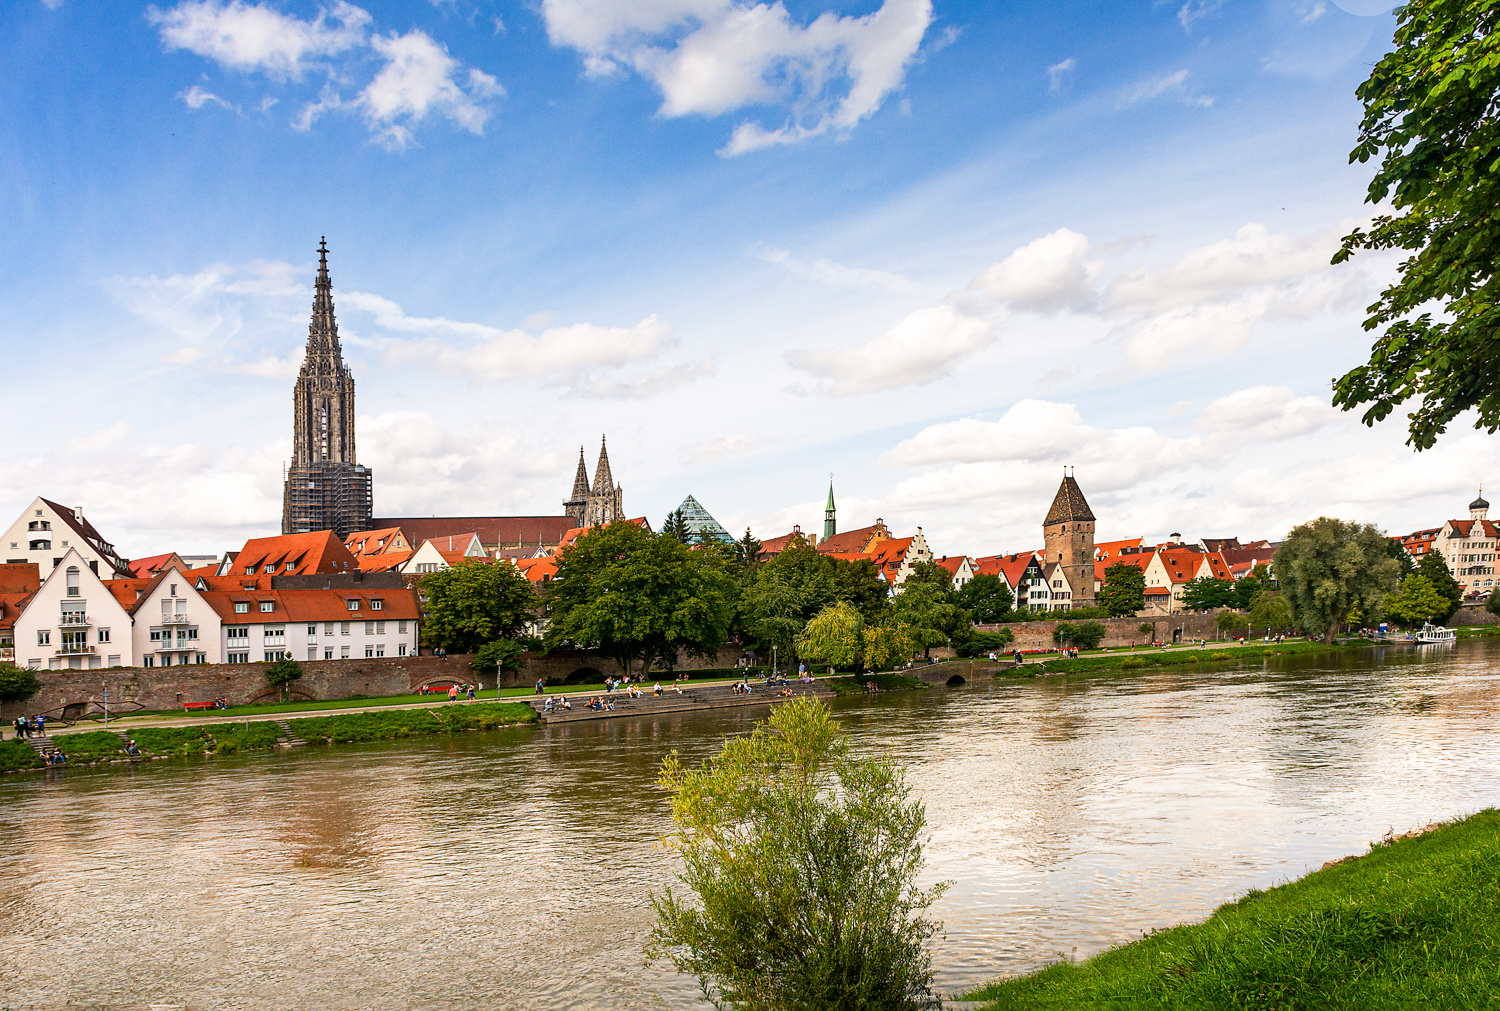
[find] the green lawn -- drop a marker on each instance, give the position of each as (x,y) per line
(1413,924)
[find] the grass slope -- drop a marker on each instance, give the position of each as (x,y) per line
(887,681)
(1144,658)
(1413,924)
(384,726)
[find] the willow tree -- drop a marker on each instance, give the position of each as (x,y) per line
(1329,567)
(801,862)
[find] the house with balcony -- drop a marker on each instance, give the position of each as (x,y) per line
(72,621)
(263,626)
(172,623)
(45,531)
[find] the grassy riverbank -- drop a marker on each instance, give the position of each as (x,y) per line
(1125,660)
(889,681)
(261,735)
(1414,923)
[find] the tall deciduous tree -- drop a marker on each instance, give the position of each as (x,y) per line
(639,598)
(1430,117)
(1417,601)
(1208,592)
(833,636)
(1124,590)
(17,684)
(1435,568)
(1270,611)
(929,614)
(802,864)
(1329,567)
(988,599)
(474,603)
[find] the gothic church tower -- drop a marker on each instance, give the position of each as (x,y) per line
(600,502)
(1069,534)
(326,489)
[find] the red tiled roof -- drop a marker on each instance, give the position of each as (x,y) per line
(889,553)
(952,563)
(854,541)
(11,606)
(1462,528)
(776,545)
(83,528)
(127,591)
(20,577)
(312,605)
(1008,567)
(384,562)
(538,570)
(377,542)
(295,554)
(1109,549)
(145,568)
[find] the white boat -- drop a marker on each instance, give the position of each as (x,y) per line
(1431,633)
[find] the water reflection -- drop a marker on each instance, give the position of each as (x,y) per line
(511,869)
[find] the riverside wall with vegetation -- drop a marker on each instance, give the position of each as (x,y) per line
(1415,923)
(1151,658)
(1117,631)
(262,735)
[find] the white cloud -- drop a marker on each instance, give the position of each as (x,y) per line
(697,454)
(710,57)
(837,274)
(647,384)
(560,353)
(1173,85)
(1047,274)
(418,78)
(241,36)
(196,98)
(1264,413)
(1196,10)
(926,345)
(1059,74)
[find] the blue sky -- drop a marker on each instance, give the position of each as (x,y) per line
(940,250)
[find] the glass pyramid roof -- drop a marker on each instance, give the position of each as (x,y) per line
(699,521)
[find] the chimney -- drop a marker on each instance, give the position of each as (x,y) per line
(78,513)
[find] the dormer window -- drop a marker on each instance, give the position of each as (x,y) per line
(267,606)
(377,605)
(249,570)
(353,605)
(241,607)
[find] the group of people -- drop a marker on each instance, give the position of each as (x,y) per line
(552,704)
(220,702)
(34,726)
(455,692)
(54,757)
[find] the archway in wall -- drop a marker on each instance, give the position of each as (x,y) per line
(957,679)
(584,676)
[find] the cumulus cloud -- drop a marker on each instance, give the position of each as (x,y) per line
(926,345)
(1047,274)
(1264,413)
(836,274)
(417,77)
(246,37)
(697,454)
(711,57)
(647,384)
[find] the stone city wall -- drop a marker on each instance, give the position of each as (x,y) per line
(1472,614)
(1118,631)
(165,688)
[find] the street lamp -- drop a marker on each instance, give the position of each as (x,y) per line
(106,705)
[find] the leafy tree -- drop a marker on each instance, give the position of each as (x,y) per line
(675,526)
(1430,117)
(17,684)
(282,673)
(500,656)
(1228,621)
(474,603)
(988,599)
(1416,601)
(833,636)
(1208,592)
(1270,611)
(930,574)
(860,584)
(747,552)
(771,614)
(981,643)
(1084,635)
(1492,604)
(885,647)
(797,584)
(639,598)
(802,863)
(1435,568)
(1147,628)
(1244,591)
(1124,590)
(929,614)
(1328,567)
(1398,551)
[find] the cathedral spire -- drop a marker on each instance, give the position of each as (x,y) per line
(605,499)
(577,505)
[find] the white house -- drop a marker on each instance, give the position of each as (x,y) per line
(44,533)
(73,621)
(439,553)
(261,626)
(174,624)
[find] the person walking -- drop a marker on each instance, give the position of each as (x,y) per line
(539,683)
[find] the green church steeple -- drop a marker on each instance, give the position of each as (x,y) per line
(830,524)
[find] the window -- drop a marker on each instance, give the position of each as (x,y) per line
(43,637)
(327,628)
(353,605)
(72,580)
(156,635)
(274,633)
(41,545)
(344,652)
(237,632)
(174,589)
(104,635)
(267,606)
(380,628)
(401,649)
(237,658)
(272,655)
(148,661)
(377,605)
(369,651)
(312,652)
(328,653)
(241,608)
(190,634)
(369,628)
(344,629)
(401,627)
(380,649)
(312,630)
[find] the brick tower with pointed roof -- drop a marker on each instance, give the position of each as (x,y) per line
(326,488)
(1068,532)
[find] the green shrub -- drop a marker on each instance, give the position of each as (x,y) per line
(1221,656)
(90,746)
(17,684)
(1132,662)
(889,681)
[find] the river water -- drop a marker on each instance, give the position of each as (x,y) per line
(511,869)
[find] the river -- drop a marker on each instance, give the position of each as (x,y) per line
(511,869)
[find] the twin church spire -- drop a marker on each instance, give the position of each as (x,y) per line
(599,502)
